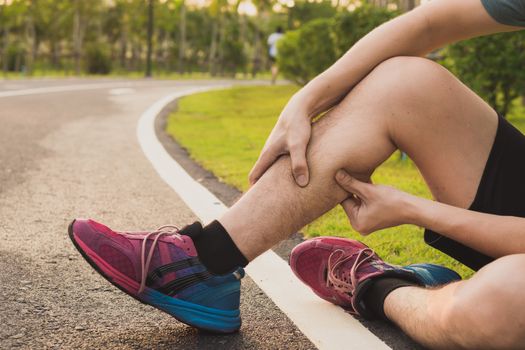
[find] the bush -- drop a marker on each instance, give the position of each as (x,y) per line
(304,53)
(492,66)
(98,60)
(234,57)
(231,50)
(305,11)
(349,27)
(15,56)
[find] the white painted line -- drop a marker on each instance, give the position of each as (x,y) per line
(326,325)
(65,88)
(121,91)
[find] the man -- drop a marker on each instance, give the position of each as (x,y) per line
(381,97)
(273,39)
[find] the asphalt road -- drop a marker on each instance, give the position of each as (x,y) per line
(75,154)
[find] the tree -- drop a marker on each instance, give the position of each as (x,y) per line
(349,27)
(492,66)
(150,38)
(182,36)
(306,52)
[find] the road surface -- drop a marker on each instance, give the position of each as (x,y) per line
(68,148)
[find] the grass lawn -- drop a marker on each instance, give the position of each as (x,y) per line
(225,130)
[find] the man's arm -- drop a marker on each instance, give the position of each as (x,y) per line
(375,207)
(416,33)
(492,235)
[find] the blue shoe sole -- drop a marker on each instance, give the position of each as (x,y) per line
(211,319)
(195,315)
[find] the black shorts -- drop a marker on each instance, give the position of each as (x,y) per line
(501,192)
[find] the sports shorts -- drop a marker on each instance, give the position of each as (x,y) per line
(501,192)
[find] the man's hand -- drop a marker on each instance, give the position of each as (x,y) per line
(373,207)
(290,135)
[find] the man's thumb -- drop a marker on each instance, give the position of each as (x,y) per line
(348,183)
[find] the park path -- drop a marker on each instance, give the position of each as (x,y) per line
(75,154)
(68,148)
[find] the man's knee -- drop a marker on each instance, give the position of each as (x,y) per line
(409,74)
(403,86)
(488,310)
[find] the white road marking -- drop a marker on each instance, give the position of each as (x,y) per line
(326,325)
(121,91)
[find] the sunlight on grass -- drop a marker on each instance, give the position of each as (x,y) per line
(225,130)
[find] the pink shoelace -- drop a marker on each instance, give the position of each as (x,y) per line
(164,230)
(345,280)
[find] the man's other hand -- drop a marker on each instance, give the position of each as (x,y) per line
(372,207)
(290,135)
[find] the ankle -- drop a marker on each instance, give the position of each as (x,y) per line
(215,248)
(376,294)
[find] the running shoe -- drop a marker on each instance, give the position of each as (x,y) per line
(340,271)
(162,269)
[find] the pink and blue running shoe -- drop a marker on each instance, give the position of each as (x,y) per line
(162,269)
(340,271)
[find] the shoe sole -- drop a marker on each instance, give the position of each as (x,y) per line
(203,318)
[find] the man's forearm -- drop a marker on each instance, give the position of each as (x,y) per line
(493,235)
(416,33)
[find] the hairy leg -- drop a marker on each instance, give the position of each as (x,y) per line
(485,312)
(408,103)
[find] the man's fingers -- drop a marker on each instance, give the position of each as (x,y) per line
(350,206)
(350,184)
(299,165)
(266,159)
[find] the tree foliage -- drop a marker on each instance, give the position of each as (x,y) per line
(97,35)
(349,27)
(71,35)
(492,66)
(309,50)
(306,52)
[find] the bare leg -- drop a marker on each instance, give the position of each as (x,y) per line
(407,103)
(485,312)
(275,71)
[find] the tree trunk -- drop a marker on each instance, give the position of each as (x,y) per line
(182,37)
(213,48)
(220,45)
(123,49)
(256,63)
(78,37)
(18,62)
(150,39)
(407,5)
(30,39)
(5,43)
(53,53)
(242,37)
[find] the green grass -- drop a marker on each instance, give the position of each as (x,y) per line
(225,130)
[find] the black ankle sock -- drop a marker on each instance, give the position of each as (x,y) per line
(216,249)
(376,294)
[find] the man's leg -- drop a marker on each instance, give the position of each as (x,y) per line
(408,103)
(484,312)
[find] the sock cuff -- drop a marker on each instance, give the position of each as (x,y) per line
(376,294)
(193,231)
(237,255)
(215,248)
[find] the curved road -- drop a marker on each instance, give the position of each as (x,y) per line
(66,154)
(68,148)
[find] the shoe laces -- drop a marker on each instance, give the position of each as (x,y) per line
(342,279)
(165,230)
